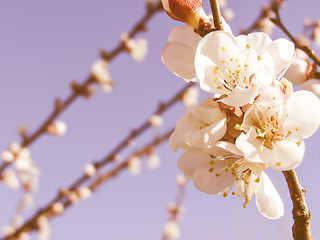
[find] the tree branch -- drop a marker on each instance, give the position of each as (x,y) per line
(31,224)
(81,89)
(301,214)
(216,14)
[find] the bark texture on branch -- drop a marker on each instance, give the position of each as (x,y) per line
(301,229)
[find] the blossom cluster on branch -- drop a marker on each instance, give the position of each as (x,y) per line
(254,119)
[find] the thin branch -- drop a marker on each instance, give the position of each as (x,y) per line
(277,21)
(31,224)
(216,14)
(301,214)
(81,89)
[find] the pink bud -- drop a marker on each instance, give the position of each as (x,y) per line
(188,11)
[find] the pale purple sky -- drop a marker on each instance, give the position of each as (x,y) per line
(46,44)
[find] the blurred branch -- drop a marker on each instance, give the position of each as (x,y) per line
(176,210)
(82,89)
(301,214)
(46,211)
(277,21)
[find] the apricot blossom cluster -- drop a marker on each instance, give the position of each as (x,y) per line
(252,122)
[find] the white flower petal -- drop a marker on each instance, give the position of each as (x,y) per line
(209,183)
(312,85)
(282,52)
(179,58)
(258,41)
(185,35)
(285,155)
(303,110)
(249,152)
(268,200)
(191,160)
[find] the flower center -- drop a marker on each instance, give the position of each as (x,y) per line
(246,178)
(234,72)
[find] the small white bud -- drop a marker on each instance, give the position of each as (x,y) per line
(10,179)
(134,166)
(191,96)
(89,169)
(84,192)
(14,148)
(24,236)
(57,128)
(171,230)
(100,70)
(138,48)
(57,208)
(181,180)
(73,197)
(8,230)
(153,161)
(7,156)
(156,120)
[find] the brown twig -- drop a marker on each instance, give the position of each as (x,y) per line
(31,224)
(301,214)
(216,14)
(81,89)
(277,21)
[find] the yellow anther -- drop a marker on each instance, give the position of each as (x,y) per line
(257,180)
(259,58)
(216,70)
(231,59)
(260,149)
(225,194)
(297,129)
(218,175)
(278,164)
(211,169)
(215,79)
(233,193)
(212,162)
(223,61)
(219,87)
(224,49)
(238,127)
(248,46)
(298,144)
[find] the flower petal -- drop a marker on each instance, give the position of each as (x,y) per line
(268,200)
(185,35)
(258,41)
(179,58)
(282,52)
(285,155)
(191,160)
(303,110)
(209,182)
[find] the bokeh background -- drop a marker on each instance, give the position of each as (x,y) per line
(44,45)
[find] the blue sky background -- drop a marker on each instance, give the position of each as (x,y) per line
(44,45)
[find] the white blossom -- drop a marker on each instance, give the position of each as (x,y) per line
(218,169)
(57,128)
(134,166)
(277,124)
(240,67)
(138,48)
(201,126)
(191,96)
(297,71)
(7,156)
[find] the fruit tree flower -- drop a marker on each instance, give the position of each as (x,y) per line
(240,67)
(201,127)
(297,71)
(218,169)
(276,125)
(178,55)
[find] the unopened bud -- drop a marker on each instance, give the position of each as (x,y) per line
(89,170)
(156,120)
(188,11)
(181,180)
(57,208)
(57,128)
(84,192)
(7,156)
(134,166)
